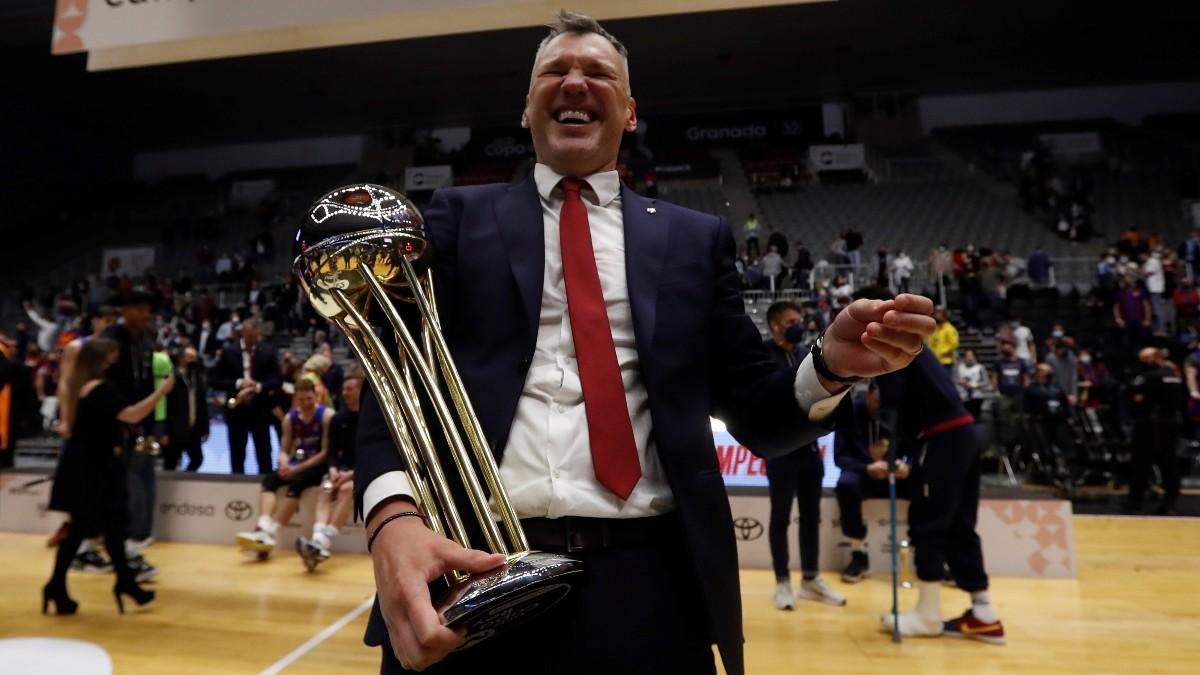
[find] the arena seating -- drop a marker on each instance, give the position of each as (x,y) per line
(914,216)
(700,194)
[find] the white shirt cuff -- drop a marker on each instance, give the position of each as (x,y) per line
(811,395)
(390,484)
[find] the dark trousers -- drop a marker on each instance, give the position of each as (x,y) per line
(752,250)
(855,487)
(243,424)
(638,612)
(1154,442)
(188,443)
(795,476)
(974,406)
(944,507)
(143,493)
(82,526)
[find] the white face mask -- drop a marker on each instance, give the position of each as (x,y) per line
(1085,358)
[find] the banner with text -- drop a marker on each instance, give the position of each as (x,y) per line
(418,178)
(838,157)
(742,468)
(189,509)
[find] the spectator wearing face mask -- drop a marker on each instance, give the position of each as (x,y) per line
(1066,368)
(1092,378)
(1010,377)
(795,478)
(1047,405)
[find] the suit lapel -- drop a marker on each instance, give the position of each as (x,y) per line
(645,253)
(519,218)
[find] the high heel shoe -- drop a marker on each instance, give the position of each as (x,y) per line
(140,595)
(63,604)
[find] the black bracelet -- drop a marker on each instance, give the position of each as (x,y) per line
(819,365)
(394,516)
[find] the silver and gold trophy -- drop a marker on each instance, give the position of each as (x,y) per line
(362,250)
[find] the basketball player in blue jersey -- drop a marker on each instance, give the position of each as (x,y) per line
(302,450)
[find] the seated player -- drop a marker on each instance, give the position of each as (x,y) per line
(859,450)
(336,499)
(302,451)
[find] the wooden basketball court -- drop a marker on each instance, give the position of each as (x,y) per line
(1132,609)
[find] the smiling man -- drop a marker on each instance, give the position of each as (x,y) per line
(596,332)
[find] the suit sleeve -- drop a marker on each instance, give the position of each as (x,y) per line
(270,364)
(751,394)
(203,423)
(222,378)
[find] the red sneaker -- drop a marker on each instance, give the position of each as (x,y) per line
(967,626)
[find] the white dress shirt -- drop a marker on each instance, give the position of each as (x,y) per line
(547,462)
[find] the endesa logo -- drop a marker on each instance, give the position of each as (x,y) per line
(187,509)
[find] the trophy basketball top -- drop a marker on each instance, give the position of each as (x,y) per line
(352,226)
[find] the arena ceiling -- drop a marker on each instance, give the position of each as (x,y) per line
(719,61)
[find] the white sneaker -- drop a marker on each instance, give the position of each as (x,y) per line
(819,591)
(257,541)
(913,624)
(783,596)
(143,544)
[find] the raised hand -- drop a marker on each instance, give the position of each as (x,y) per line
(873,337)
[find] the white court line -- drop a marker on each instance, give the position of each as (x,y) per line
(317,639)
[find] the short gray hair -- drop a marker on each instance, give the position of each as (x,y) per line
(582,24)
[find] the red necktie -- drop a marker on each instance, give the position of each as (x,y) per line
(614,452)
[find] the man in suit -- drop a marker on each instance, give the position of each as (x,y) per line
(207,344)
(187,413)
(248,371)
(596,331)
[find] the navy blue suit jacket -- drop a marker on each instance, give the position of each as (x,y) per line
(700,355)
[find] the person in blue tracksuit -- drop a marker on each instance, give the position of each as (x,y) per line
(859,449)
(921,407)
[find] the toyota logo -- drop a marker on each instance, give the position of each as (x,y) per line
(238,510)
(747,529)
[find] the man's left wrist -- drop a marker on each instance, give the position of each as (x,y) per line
(824,373)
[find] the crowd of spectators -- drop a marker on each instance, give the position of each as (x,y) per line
(186,315)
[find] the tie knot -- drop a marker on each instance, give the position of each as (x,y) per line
(572,186)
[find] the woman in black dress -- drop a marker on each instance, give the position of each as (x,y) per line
(90,481)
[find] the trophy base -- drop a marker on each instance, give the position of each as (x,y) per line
(491,603)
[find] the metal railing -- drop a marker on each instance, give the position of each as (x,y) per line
(1065,273)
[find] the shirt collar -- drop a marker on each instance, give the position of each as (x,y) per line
(605,186)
